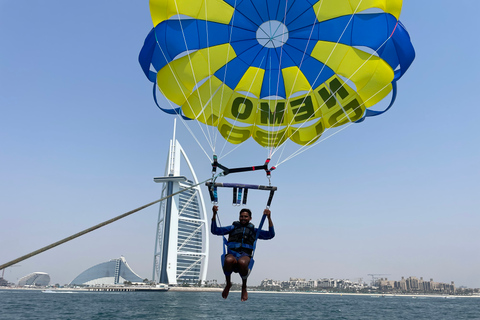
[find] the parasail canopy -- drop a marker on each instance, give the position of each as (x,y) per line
(275,69)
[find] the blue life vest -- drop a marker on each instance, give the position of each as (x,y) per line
(242,238)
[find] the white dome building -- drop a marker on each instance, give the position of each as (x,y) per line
(38,279)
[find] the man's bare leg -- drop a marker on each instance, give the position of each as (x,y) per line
(226,290)
(244,290)
(243,263)
(228,264)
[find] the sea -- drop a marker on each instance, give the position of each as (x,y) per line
(35,304)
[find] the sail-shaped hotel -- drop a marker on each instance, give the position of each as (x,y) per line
(181,247)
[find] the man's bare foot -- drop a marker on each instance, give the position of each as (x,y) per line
(226,291)
(244,294)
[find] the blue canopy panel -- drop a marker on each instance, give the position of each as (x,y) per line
(261,6)
(248,9)
(389,53)
(172,29)
(276,9)
(300,16)
(315,71)
(285,60)
(218,33)
(302,44)
(146,56)
(273,84)
(232,72)
(168,39)
(404,48)
(260,57)
(240,20)
(296,54)
(307,32)
(241,47)
(260,11)
(253,56)
(336,30)
(372,31)
(240,34)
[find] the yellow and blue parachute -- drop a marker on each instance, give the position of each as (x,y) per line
(275,69)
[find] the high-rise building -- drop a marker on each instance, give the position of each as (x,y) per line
(181,247)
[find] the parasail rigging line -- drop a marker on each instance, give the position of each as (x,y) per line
(177,113)
(107,222)
(193,73)
(308,145)
(344,112)
(213,133)
(236,118)
(321,70)
(273,148)
(226,65)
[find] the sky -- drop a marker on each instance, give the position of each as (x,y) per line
(81,141)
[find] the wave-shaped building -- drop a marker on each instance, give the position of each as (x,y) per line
(115,271)
(38,279)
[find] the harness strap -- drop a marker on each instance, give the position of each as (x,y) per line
(250,265)
(213,194)
(234,245)
(245,193)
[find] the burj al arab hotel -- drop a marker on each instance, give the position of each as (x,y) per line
(181,246)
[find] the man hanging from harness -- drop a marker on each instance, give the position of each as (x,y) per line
(240,246)
(242,235)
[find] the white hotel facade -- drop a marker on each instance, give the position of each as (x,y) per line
(181,247)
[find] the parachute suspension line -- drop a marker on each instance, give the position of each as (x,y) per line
(226,154)
(324,64)
(308,145)
(272,147)
(321,70)
(187,126)
(249,90)
(209,138)
(226,64)
(177,113)
(334,93)
(235,121)
(210,82)
(98,226)
(354,109)
(296,77)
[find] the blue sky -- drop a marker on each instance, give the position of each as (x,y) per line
(81,140)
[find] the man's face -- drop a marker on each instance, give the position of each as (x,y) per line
(244,218)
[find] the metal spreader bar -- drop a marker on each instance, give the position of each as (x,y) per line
(238,189)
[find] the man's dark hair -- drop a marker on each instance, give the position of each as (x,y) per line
(247,211)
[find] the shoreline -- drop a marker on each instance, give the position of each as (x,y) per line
(373,295)
(200,289)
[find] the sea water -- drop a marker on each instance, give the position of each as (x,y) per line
(35,304)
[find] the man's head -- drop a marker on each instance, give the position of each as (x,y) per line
(245,216)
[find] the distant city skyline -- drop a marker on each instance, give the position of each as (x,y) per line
(406,285)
